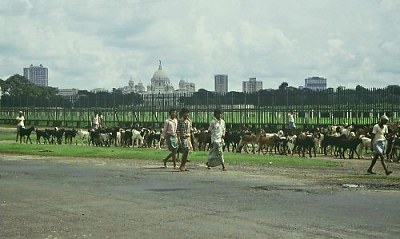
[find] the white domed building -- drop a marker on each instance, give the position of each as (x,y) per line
(160,83)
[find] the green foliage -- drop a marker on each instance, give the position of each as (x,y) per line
(18,85)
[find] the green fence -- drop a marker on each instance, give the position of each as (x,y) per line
(267,109)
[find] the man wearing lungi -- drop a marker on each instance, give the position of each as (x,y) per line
(169,134)
(217,129)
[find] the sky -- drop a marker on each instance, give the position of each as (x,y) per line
(89,44)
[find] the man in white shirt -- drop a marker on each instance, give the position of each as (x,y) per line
(169,134)
(96,121)
(217,129)
(291,124)
(378,144)
(20,122)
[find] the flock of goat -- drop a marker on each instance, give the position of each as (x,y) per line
(340,141)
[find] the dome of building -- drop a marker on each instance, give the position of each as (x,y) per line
(160,74)
(160,82)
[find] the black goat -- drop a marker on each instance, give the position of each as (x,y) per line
(56,134)
(232,138)
(304,142)
(42,134)
(351,144)
(26,132)
(69,134)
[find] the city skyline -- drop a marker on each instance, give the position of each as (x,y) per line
(86,45)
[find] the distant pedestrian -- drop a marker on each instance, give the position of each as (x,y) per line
(291,124)
(20,123)
(218,129)
(169,134)
(101,120)
(378,144)
(184,133)
(96,121)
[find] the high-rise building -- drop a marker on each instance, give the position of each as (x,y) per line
(252,85)
(37,75)
(315,83)
(221,83)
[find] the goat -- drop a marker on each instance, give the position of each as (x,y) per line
(55,135)
(58,134)
(153,140)
(95,139)
(249,139)
(126,138)
(232,138)
(26,132)
(351,144)
(329,140)
(69,134)
(268,142)
(115,137)
(365,144)
(393,147)
(83,136)
(204,139)
(42,134)
(138,137)
(305,142)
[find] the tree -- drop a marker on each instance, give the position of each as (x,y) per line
(18,85)
(283,86)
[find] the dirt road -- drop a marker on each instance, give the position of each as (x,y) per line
(104,198)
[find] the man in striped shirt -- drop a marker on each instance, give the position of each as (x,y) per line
(184,132)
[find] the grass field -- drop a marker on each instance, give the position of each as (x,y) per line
(319,165)
(9,146)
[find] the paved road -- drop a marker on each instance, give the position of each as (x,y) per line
(74,198)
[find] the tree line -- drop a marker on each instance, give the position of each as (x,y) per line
(17,91)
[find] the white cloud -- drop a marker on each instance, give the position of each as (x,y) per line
(99,43)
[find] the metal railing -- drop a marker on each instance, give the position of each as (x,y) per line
(267,109)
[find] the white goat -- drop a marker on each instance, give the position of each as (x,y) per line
(365,144)
(83,136)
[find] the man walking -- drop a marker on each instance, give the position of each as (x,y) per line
(169,134)
(378,144)
(184,133)
(20,123)
(217,129)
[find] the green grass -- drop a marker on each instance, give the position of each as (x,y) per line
(10,135)
(9,146)
(152,154)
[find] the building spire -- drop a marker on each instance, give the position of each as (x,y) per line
(159,67)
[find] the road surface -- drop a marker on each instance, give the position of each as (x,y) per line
(102,198)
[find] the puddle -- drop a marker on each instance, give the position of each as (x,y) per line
(282,188)
(350,185)
(167,189)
